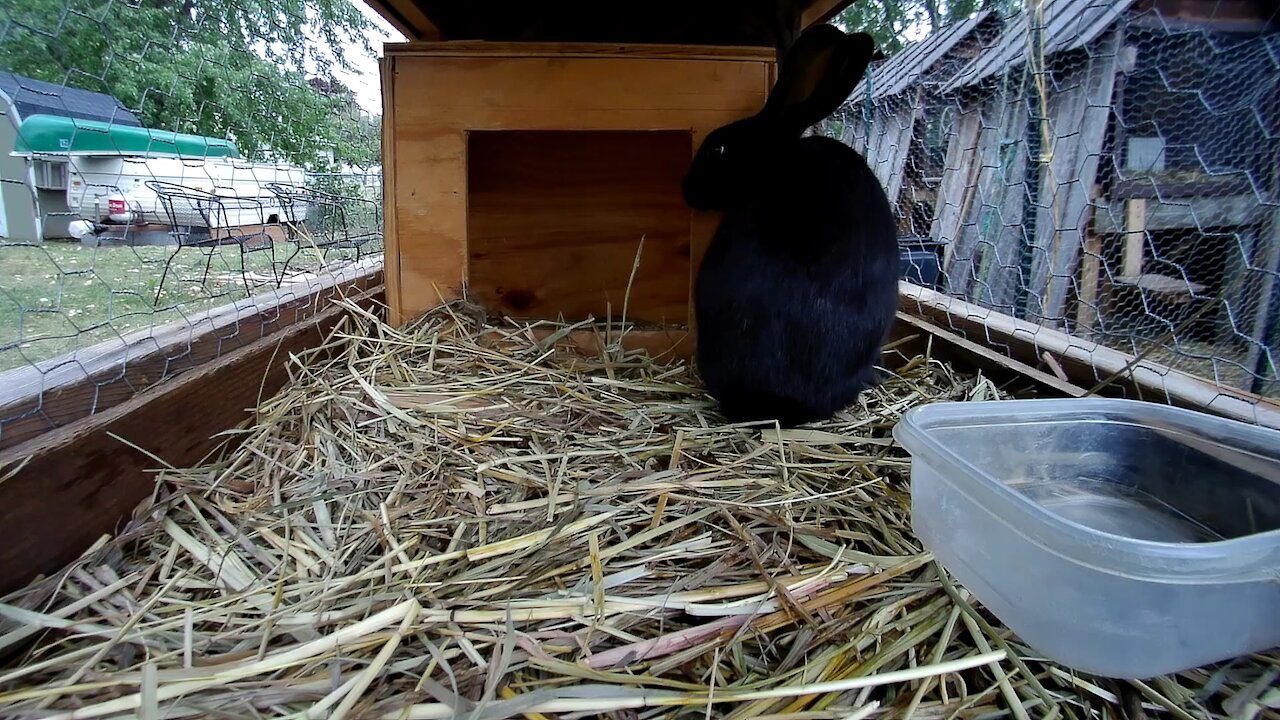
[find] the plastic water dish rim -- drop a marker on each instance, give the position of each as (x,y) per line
(1249,558)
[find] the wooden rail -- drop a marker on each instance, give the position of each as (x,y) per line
(62,490)
(1086,362)
(42,397)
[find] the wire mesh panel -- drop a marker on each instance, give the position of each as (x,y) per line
(1100,179)
(141,147)
(1097,178)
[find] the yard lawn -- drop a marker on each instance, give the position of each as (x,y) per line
(60,297)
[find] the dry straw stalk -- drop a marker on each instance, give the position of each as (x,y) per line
(457,520)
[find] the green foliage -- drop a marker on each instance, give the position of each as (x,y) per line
(222,68)
(888,21)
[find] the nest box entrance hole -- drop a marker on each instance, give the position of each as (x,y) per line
(555,221)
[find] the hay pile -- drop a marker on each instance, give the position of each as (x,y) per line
(459,521)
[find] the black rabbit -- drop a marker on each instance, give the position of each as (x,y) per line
(798,288)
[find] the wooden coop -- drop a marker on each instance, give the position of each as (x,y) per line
(543,178)
(525,160)
(1126,189)
(329,476)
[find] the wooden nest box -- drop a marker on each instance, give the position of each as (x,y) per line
(530,147)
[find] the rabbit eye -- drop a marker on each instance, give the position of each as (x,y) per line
(718,151)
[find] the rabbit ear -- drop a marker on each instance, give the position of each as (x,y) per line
(817,75)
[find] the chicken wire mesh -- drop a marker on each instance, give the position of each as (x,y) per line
(1095,174)
(163,164)
(1092,176)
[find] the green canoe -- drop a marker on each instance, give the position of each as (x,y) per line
(52,135)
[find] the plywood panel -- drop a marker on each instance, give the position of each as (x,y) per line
(663,345)
(430,207)
(444,91)
(543,241)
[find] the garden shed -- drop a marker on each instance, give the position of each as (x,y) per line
(540,167)
(1098,181)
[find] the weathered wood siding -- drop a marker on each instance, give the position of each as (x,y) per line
(982,212)
(983,194)
(1079,112)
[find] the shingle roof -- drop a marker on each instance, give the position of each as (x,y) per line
(1068,25)
(36,97)
(902,69)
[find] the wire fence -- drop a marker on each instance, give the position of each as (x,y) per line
(165,163)
(1091,176)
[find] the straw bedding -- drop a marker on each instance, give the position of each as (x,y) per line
(459,520)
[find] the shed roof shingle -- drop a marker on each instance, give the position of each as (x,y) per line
(902,69)
(1068,25)
(36,97)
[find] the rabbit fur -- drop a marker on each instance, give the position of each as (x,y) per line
(798,288)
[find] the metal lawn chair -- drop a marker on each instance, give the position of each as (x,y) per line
(201,219)
(325,220)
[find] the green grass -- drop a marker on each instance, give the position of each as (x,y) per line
(60,297)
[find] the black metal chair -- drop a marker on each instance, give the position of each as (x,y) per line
(326,221)
(201,219)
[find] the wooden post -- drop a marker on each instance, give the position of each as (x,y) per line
(1090,278)
(1135,226)
(390,237)
(1262,330)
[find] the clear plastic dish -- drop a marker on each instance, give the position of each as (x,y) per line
(1120,538)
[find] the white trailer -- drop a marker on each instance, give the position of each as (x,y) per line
(111,174)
